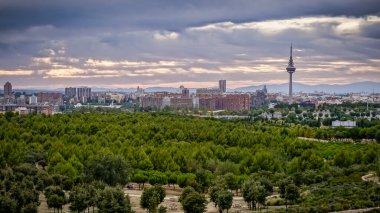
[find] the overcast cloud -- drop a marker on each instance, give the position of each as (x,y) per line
(123,44)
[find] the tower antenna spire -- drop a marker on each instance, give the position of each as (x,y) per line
(291,49)
(291,63)
(291,69)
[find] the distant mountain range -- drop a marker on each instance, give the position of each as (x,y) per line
(358,87)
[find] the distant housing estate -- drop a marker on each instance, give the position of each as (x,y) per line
(204,98)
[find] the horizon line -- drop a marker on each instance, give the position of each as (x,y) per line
(179,84)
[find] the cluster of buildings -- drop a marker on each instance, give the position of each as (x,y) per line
(45,103)
(78,95)
(204,98)
(319,98)
(207,99)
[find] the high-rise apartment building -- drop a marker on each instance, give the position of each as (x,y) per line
(83,94)
(184,91)
(223,85)
(7,89)
(33,100)
(70,92)
(234,102)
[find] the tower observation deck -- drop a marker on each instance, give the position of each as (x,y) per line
(291,69)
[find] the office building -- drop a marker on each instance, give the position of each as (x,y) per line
(223,86)
(8,90)
(33,100)
(50,98)
(208,91)
(83,94)
(70,92)
(258,98)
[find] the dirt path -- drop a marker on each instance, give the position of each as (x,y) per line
(174,206)
(371,177)
(358,210)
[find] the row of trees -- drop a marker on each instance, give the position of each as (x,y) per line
(254,193)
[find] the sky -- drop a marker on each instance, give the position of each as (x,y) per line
(48,44)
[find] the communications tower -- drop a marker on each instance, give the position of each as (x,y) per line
(291,69)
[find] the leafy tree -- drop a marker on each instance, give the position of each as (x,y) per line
(113,200)
(142,160)
(232,181)
(55,159)
(309,160)
(220,195)
(75,162)
(193,202)
(203,179)
(55,201)
(342,159)
(157,178)
(186,179)
(268,186)
(24,193)
(65,169)
(224,200)
(371,155)
(172,179)
(213,193)
(163,161)
(185,192)
(152,197)
(254,192)
(7,204)
(79,198)
(42,180)
(30,208)
(55,197)
(289,191)
(250,191)
(92,189)
(140,177)
(111,169)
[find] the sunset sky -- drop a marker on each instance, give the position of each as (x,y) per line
(126,43)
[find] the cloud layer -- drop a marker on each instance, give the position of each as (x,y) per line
(52,44)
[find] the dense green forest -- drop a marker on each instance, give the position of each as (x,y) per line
(98,151)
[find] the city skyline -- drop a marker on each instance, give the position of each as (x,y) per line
(165,43)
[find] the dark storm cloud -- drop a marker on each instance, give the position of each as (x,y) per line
(123,43)
(168,14)
(372,31)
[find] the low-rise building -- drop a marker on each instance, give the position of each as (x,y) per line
(50,98)
(348,124)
